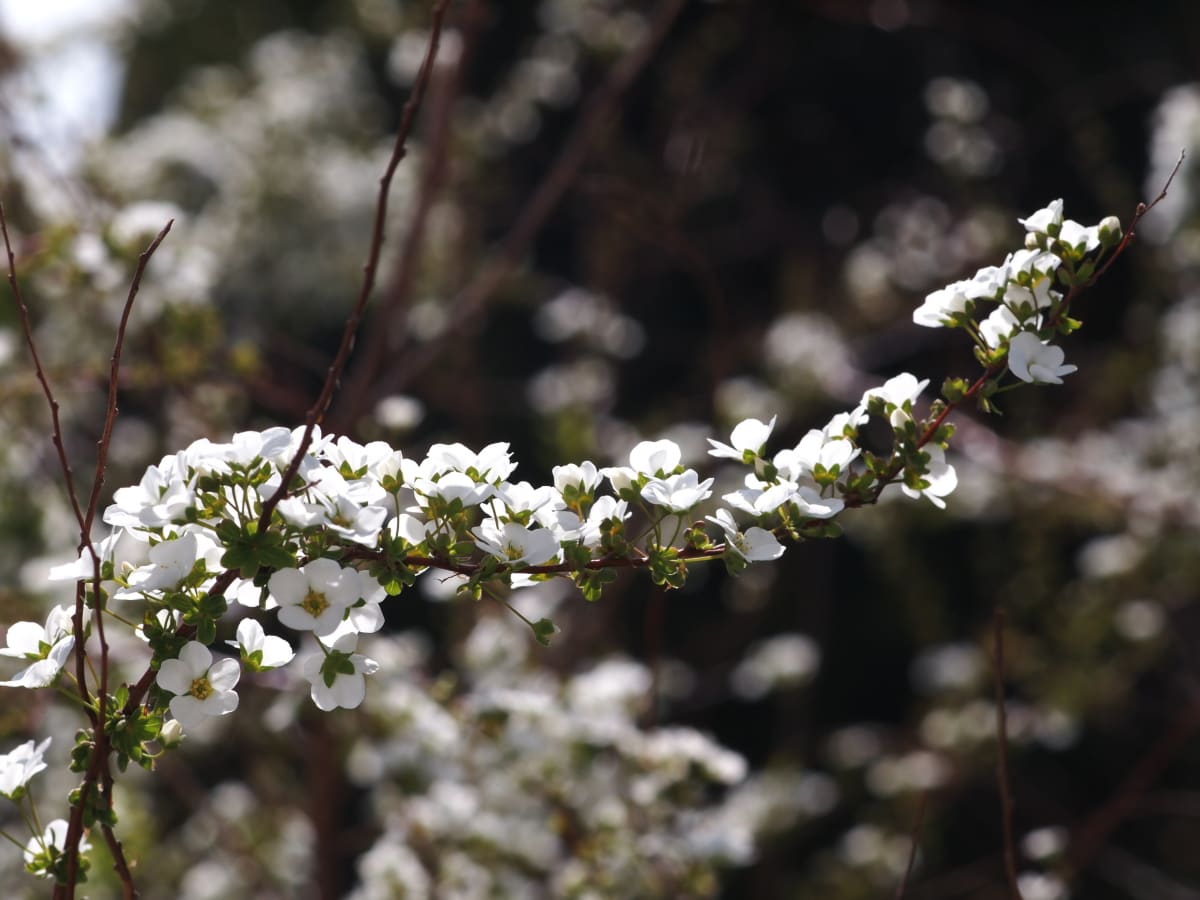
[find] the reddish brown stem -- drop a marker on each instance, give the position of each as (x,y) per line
(333,376)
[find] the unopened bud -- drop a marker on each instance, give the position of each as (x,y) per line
(1110,231)
(171,734)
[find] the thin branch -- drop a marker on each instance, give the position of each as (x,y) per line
(333,376)
(915,838)
(391,312)
(27,331)
(597,112)
(1003,784)
(110,415)
(1092,834)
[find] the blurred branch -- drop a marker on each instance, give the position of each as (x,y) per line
(1091,836)
(1003,782)
(392,313)
(597,112)
(915,838)
(333,377)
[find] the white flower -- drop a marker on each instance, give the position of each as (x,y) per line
(901,389)
(941,305)
(360,524)
(170,562)
(1041,220)
(999,326)
(411,529)
(941,477)
(748,436)
(54,836)
(655,457)
(337,677)
(524,497)
(19,765)
(811,504)
(202,688)
(815,449)
(582,477)
(677,493)
(1030,261)
(757,500)
(515,544)
(453,486)
(1033,361)
(1080,237)
(754,545)
(491,464)
(315,597)
(159,498)
(898,391)
(47,646)
(836,426)
(260,650)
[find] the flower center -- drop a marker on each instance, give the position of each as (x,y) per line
(314,603)
(201,688)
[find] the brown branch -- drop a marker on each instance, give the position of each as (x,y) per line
(1003,783)
(27,331)
(915,838)
(391,313)
(597,111)
(333,376)
(1090,836)
(110,415)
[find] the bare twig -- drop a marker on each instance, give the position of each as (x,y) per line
(1091,835)
(915,837)
(332,377)
(392,311)
(1003,784)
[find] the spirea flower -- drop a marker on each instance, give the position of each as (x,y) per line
(18,766)
(336,676)
(678,493)
(748,437)
(48,647)
(261,650)
(1034,361)
(753,545)
(315,597)
(515,544)
(201,687)
(44,850)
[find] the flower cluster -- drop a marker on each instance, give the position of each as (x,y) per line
(1030,308)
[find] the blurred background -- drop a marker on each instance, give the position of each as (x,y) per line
(624,220)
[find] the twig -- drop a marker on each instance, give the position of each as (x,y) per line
(27,331)
(1003,784)
(114,370)
(1091,835)
(399,151)
(392,311)
(915,837)
(596,113)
